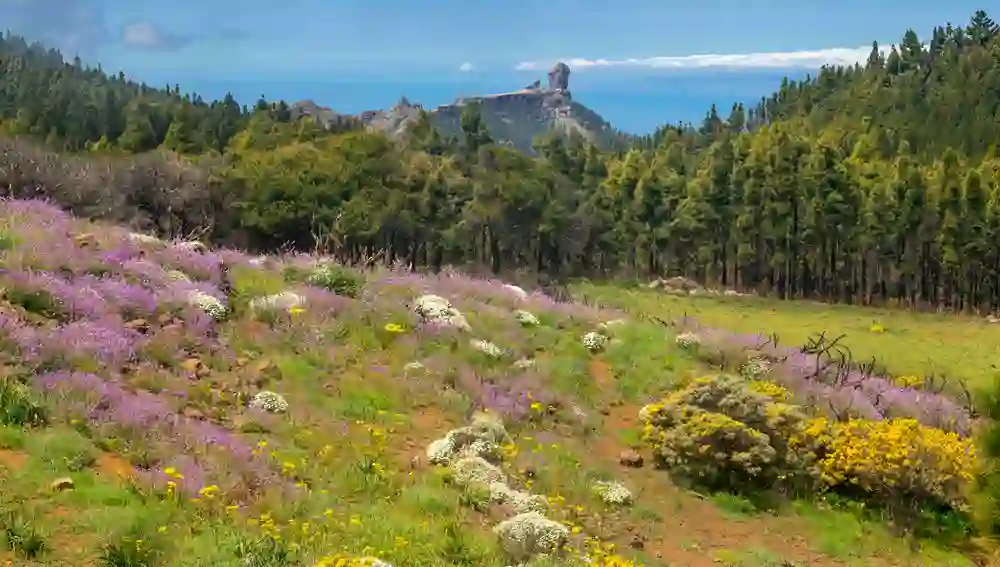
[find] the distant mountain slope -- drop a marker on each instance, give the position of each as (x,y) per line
(514,117)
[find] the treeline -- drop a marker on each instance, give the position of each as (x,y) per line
(873,183)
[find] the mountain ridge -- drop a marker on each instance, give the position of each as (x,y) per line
(514,118)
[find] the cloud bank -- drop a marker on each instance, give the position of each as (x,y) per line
(465,67)
(774,60)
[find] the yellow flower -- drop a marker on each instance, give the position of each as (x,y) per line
(296,310)
(394,328)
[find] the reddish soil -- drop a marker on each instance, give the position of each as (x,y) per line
(426,424)
(12,460)
(113,466)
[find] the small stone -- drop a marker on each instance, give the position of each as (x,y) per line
(638,542)
(194,413)
(63,483)
(631,459)
(85,240)
(140,325)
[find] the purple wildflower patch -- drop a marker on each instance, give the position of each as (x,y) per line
(846,392)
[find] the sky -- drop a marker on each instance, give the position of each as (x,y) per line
(356,52)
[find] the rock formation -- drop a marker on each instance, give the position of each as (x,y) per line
(559,77)
(513,118)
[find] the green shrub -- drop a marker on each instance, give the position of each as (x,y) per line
(338,279)
(20,536)
(18,406)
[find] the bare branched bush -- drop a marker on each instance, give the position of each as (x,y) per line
(154,192)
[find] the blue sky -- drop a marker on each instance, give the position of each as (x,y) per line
(478,44)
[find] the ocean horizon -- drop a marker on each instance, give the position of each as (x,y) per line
(631,101)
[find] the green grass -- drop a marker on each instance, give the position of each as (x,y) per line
(962,347)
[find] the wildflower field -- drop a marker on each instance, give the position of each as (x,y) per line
(162,403)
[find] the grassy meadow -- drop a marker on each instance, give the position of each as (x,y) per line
(162,404)
(959,347)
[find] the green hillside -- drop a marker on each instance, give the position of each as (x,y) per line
(228,337)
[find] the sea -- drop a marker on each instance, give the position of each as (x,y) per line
(634,102)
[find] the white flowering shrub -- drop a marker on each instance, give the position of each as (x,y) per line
(177,276)
(688,340)
(755,368)
(608,327)
(210,305)
(140,238)
(477,470)
(594,341)
(482,438)
(269,402)
(413,367)
(489,349)
(524,363)
(192,245)
(277,302)
(529,534)
(516,291)
(518,501)
(336,278)
(526,318)
(612,493)
(439,311)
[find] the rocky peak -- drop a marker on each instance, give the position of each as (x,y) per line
(559,77)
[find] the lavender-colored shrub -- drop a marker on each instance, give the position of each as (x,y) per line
(843,391)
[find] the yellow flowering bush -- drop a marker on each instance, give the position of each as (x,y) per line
(770,389)
(714,449)
(734,429)
(892,461)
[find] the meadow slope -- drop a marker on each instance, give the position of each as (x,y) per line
(166,404)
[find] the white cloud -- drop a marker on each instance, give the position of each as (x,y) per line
(775,60)
(465,67)
(144,35)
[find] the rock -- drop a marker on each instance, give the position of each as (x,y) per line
(638,542)
(193,413)
(63,483)
(85,240)
(140,325)
(559,77)
(992,319)
(631,459)
(191,365)
(533,86)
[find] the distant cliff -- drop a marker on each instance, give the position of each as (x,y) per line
(515,118)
